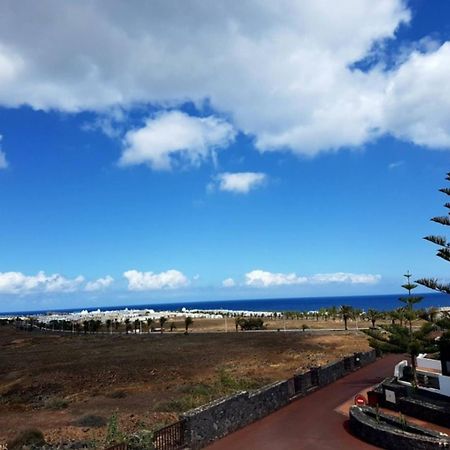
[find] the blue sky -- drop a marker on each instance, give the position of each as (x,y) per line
(290,149)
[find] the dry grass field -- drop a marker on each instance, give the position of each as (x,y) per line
(56,382)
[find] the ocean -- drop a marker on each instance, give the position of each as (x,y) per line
(364,302)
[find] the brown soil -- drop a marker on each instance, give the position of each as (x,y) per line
(51,381)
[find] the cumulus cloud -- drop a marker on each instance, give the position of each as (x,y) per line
(19,283)
(228,283)
(261,278)
(173,138)
(3,162)
(147,281)
(416,106)
(342,277)
(239,182)
(99,284)
(282,70)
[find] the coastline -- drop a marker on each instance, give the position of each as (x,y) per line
(381,302)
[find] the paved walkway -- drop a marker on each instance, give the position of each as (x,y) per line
(317,421)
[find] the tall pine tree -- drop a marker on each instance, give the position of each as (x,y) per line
(433,283)
(443,250)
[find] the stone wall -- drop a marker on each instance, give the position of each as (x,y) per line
(423,405)
(221,417)
(389,432)
(331,372)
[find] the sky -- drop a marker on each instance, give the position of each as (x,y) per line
(164,151)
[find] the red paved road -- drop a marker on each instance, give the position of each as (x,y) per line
(311,422)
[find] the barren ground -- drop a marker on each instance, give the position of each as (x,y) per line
(51,381)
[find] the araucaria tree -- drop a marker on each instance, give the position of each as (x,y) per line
(443,247)
(410,300)
(433,283)
(414,346)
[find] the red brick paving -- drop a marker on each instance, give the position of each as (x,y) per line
(311,422)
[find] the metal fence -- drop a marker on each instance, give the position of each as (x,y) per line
(170,437)
(118,447)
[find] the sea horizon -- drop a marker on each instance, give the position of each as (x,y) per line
(383,302)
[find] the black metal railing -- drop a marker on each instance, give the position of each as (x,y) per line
(170,437)
(118,447)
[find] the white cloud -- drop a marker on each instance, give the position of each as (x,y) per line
(417,102)
(145,281)
(228,283)
(3,163)
(260,278)
(175,138)
(281,70)
(342,277)
(18,283)
(239,182)
(395,164)
(99,284)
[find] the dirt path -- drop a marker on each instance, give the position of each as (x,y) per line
(313,422)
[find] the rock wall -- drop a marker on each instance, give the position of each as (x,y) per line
(389,432)
(221,417)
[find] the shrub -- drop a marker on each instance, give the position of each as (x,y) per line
(251,323)
(56,403)
(142,440)
(31,436)
(113,433)
(91,420)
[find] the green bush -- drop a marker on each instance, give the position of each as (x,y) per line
(113,433)
(56,403)
(142,440)
(91,420)
(251,323)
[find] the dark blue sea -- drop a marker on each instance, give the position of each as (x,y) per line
(380,302)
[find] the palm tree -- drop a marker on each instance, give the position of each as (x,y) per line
(127,325)
(346,312)
(162,321)
(187,323)
(397,314)
(373,315)
(333,312)
(97,325)
(356,314)
(323,312)
(108,325)
(150,323)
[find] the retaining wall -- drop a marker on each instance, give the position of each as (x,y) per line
(221,417)
(389,432)
(423,405)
